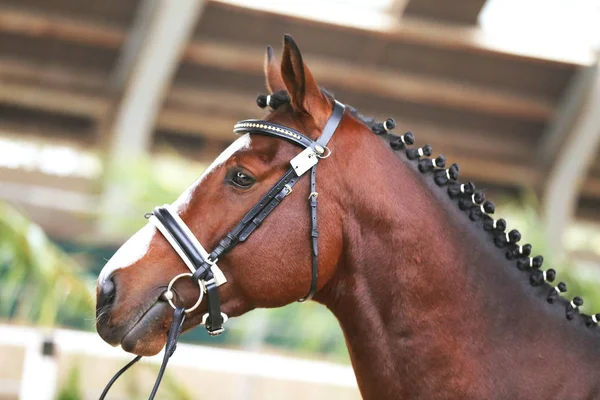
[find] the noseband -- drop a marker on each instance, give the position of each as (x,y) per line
(203,265)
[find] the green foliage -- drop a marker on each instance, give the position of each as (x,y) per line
(172,389)
(71,388)
(309,328)
(581,280)
(143,184)
(38,282)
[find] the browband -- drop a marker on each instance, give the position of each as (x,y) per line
(273,129)
(292,135)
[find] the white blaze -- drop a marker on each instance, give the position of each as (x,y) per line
(138,245)
(133,250)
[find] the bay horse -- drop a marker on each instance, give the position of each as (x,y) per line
(436,299)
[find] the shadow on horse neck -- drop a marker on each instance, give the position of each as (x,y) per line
(430,306)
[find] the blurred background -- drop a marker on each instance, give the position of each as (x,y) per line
(108,108)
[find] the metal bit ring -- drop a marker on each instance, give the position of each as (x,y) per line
(169,293)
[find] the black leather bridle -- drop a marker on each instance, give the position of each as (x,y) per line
(203,266)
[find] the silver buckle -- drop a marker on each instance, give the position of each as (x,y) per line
(218,331)
(217,273)
(289,189)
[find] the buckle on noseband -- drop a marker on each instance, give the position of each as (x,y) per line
(216,332)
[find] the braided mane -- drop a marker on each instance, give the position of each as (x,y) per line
(468,199)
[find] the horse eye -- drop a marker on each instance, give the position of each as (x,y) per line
(242,180)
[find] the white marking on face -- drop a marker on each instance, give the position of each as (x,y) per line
(243,142)
(129,253)
(137,246)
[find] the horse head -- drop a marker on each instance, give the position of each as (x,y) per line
(272,267)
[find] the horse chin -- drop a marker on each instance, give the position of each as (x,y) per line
(149,335)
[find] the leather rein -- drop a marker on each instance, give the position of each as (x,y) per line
(203,265)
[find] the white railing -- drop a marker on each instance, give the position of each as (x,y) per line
(237,362)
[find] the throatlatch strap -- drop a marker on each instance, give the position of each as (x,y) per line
(257,214)
(332,123)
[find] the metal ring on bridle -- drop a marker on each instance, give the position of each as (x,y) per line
(169,293)
(327,153)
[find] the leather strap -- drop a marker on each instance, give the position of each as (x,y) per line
(117,375)
(214,322)
(172,338)
(183,240)
(257,214)
(314,234)
(332,123)
(273,129)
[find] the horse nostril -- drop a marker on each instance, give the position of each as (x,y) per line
(106,293)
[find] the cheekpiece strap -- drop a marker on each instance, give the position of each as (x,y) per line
(258,213)
(314,235)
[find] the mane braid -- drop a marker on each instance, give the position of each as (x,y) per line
(468,199)
(473,203)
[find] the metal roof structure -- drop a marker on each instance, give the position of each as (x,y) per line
(73,71)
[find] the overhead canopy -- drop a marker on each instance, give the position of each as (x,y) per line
(481,105)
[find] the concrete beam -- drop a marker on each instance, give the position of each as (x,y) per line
(412,30)
(36,24)
(571,166)
(151,74)
(192,112)
(142,26)
(565,116)
(463,12)
(146,70)
(397,8)
(402,86)
(66,102)
(377,81)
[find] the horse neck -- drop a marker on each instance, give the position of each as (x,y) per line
(429,307)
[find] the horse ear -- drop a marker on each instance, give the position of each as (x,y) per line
(304,92)
(273,72)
